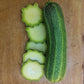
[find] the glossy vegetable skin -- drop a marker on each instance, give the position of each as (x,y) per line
(55,67)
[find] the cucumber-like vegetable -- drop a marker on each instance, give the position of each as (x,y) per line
(32,70)
(34,55)
(37,33)
(32,15)
(36,46)
(56,39)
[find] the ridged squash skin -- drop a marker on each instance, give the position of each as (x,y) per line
(56,56)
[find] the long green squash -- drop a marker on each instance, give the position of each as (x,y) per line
(55,67)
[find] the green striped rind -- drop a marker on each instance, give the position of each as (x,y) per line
(56,39)
(25,18)
(64,63)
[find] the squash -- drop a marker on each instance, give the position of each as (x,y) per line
(55,66)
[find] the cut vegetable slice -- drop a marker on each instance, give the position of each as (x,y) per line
(36,46)
(32,15)
(34,55)
(37,33)
(32,70)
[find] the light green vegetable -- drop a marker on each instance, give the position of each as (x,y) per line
(34,55)
(32,70)
(32,15)
(36,46)
(37,33)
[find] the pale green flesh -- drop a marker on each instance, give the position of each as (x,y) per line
(37,33)
(36,46)
(34,55)
(32,70)
(32,15)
